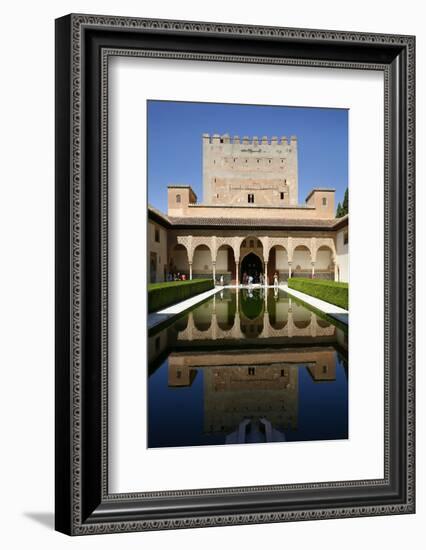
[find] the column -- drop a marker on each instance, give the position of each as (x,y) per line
(336,274)
(313,325)
(313,269)
(213,326)
(190,271)
(266,273)
(237,277)
(214,272)
(289,270)
(290,324)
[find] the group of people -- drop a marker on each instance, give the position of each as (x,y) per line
(176,277)
(249,279)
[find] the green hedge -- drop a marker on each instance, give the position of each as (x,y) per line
(329,291)
(161,295)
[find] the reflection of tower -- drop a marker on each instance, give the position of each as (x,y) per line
(233,393)
(260,386)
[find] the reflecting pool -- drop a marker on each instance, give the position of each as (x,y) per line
(247,366)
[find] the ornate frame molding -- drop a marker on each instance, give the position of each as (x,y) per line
(84,44)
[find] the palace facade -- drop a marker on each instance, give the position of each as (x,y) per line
(250,221)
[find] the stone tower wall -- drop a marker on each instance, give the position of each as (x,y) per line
(235,168)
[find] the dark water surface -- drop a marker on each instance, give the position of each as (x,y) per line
(247,366)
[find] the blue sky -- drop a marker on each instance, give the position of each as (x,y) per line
(175,132)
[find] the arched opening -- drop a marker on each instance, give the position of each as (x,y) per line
(180,324)
(202,316)
(251,254)
(251,267)
(225,308)
(278,263)
(252,304)
(324,265)
(278,310)
(322,323)
(202,262)
(301,317)
(301,266)
(225,265)
(251,308)
(178,263)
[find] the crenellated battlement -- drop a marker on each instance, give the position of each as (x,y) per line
(216,139)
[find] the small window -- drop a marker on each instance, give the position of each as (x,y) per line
(251,371)
(250,197)
(324,369)
(345,237)
(282,195)
(157,235)
(178,198)
(324,201)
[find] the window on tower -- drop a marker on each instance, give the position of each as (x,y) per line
(250,197)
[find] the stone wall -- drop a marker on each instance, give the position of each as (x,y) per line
(233,168)
(157,258)
(342,253)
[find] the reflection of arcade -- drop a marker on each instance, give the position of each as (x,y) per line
(253,315)
(223,323)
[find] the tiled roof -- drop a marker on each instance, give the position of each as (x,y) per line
(158,215)
(250,222)
(247,222)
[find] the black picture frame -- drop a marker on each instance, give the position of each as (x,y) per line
(83,45)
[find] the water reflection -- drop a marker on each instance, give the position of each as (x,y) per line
(247,366)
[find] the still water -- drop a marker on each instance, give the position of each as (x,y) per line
(247,366)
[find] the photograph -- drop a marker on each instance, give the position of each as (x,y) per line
(248,274)
(228,351)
